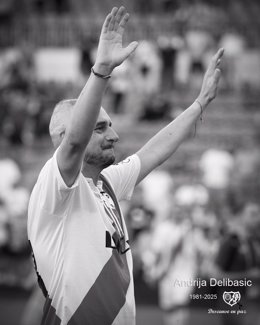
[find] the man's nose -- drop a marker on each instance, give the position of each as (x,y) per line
(112,135)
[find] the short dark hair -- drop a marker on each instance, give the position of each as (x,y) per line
(58,120)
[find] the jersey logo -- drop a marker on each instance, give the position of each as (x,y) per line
(125,161)
(116,242)
(107,200)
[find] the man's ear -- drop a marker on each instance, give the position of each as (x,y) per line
(62,134)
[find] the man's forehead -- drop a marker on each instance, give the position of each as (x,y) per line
(103,116)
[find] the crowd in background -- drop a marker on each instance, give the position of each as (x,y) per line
(208,228)
(139,88)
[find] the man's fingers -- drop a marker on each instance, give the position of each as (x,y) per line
(216,60)
(106,23)
(113,17)
(217,75)
(130,48)
(121,12)
(218,55)
(123,22)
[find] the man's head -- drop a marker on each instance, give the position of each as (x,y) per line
(100,149)
(251,217)
(59,120)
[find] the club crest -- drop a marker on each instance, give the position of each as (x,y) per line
(107,200)
(231,298)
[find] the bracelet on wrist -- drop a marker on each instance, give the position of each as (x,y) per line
(201,115)
(100,75)
(201,109)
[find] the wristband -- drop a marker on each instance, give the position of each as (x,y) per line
(201,109)
(100,75)
(201,115)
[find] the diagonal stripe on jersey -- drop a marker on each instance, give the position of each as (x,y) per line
(107,296)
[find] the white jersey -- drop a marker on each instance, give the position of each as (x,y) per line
(81,247)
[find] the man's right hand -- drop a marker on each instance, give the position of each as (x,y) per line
(111,52)
(211,80)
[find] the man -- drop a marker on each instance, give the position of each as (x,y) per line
(78,237)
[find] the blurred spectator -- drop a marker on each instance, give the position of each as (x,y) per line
(192,195)
(15,266)
(25,102)
(159,107)
(239,258)
(169,47)
(3,225)
(216,166)
(88,45)
(193,59)
(9,175)
(140,221)
(120,86)
(205,224)
(139,217)
(251,222)
(157,187)
(16,87)
(245,182)
(14,200)
(16,101)
(147,76)
(20,69)
(172,260)
(234,45)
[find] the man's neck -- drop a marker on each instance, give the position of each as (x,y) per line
(90,171)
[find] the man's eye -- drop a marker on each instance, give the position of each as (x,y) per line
(99,128)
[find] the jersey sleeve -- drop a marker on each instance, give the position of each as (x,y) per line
(123,176)
(53,191)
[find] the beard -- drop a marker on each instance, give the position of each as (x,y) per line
(102,160)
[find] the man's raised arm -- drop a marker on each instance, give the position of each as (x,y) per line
(110,54)
(165,142)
